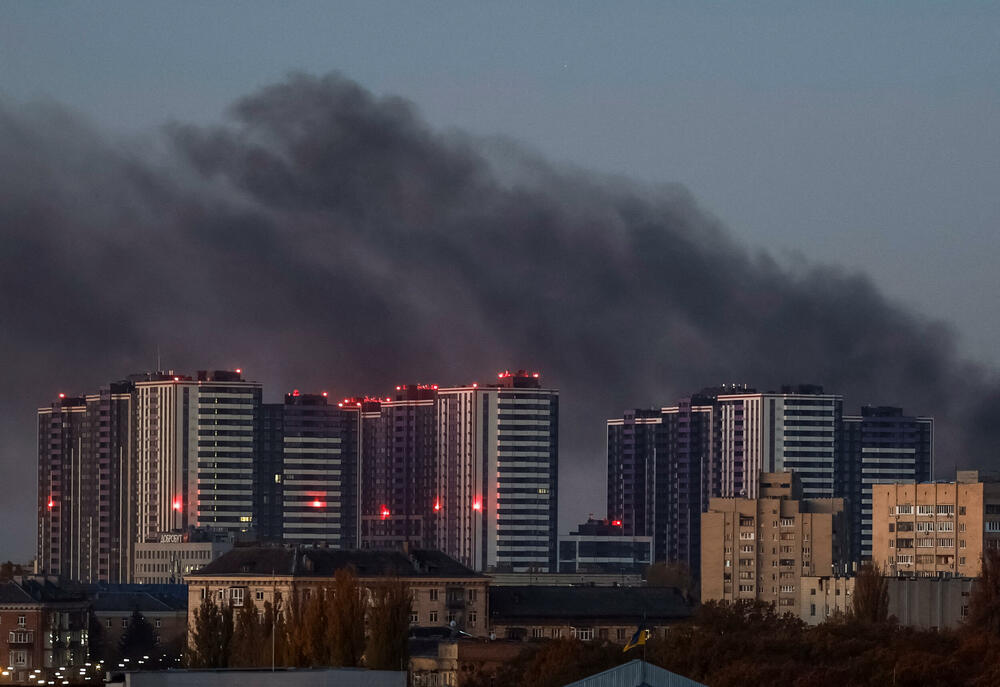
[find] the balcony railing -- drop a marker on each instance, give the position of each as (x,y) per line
(21,637)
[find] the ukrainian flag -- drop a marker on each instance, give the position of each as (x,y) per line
(639,638)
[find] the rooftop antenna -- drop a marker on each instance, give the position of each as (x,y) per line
(158,368)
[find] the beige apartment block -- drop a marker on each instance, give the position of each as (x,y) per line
(822,598)
(761,548)
(443,591)
(936,529)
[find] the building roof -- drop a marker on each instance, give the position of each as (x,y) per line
(636,674)
(34,591)
(144,602)
(260,561)
(522,604)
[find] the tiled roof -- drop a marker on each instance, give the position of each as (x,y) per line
(519,604)
(318,562)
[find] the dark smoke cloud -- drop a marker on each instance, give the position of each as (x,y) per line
(325,238)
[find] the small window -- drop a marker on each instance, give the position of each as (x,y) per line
(433,593)
(259,595)
(20,620)
(157,623)
(472,618)
(107,623)
(433,617)
(124,623)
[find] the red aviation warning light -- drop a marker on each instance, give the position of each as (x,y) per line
(437,505)
(316,503)
(239,370)
(62,395)
(51,504)
(385,512)
(325,394)
(616,523)
(295,392)
(177,504)
(477,505)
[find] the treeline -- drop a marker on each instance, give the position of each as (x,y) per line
(328,626)
(748,643)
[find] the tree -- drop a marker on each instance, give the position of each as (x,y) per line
(675,575)
(139,638)
(389,626)
(984,602)
(871,595)
(293,636)
(9,570)
(96,641)
(207,637)
(315,631)
(347,620)
(248,639)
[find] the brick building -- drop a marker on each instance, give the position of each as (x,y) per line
(41,627)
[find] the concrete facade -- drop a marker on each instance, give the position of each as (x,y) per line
(936,529)
(761,548)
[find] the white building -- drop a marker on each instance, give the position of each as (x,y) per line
(195,451)
(497,474)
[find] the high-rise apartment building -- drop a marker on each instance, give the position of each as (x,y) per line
(880,446)
(86,480)
(760,548)
(318,472)
(399,443)
(497,474)
(196,451)
(664,465)
(937,529)
(794,429)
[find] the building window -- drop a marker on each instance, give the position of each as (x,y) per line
(20,620)
(961,560)
(537,632)
(620,633)
(236,595)
(925,510)
(259,595)
(19,658)
(107,623)
(413,619)
(433,593)
(472,618)
(451,617)
(157,623)
(812,609)
(124,623)
(961,510)
(472,595)
(433,617)
(583,633)
(904,509)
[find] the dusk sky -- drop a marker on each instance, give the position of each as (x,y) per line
(843,166)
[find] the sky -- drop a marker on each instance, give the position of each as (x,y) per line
(864,136)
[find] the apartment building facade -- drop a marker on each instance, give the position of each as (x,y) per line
(936,529)
(761,548)
(443,591)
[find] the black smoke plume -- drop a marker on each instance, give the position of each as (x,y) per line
(325,238)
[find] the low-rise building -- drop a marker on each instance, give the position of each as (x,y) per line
(174,555)
(41,626)
(936,529)
(586,613)
(601,546)
(166,613)
(443,590)
(825,597)
(925,603)
(761,548)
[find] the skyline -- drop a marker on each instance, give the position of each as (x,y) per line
(335,234)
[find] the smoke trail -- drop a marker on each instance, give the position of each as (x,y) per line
(325,237)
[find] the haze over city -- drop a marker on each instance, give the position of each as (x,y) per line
(637,204)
